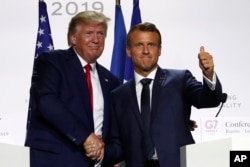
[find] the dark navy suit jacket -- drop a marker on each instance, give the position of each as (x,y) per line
(174,93)
(60,118)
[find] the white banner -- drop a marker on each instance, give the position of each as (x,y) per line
(222,26)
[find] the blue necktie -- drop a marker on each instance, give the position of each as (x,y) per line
(146,114)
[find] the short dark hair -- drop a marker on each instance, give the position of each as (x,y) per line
(146,26)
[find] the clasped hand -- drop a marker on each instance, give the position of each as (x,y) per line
(94,147)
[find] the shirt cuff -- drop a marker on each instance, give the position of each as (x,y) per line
(98,163)
(211,84)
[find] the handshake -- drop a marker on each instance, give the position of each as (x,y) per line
(94,147)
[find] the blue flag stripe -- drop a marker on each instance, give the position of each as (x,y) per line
(121,64)
(119,49)
(135,19)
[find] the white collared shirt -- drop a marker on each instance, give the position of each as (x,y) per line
(138,85)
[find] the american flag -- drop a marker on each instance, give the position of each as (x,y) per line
(44,40)
(43,43)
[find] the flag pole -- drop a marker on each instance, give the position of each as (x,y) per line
(117,2)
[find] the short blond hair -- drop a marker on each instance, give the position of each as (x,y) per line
(86,17)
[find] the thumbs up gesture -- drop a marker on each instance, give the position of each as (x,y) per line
(206,63)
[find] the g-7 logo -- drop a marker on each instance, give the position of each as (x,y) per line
(211,124)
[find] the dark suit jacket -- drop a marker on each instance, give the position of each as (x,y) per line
(60,118)
(174,92)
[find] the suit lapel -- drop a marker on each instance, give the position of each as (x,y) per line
(77,72)
(134,103)
(104,81)
(105,86)
(156,92)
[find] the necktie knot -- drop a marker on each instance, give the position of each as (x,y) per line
(87,67)
(145,81)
